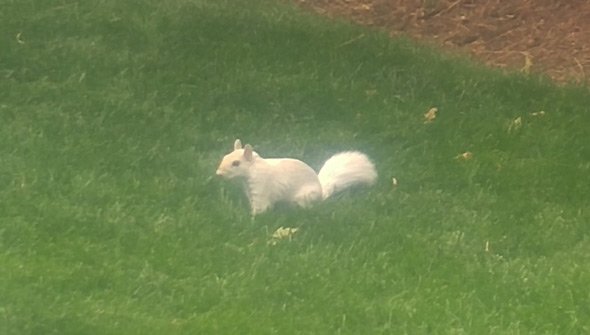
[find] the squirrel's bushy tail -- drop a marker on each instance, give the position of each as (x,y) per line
(344,170)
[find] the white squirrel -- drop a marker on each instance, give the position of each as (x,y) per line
(271,180)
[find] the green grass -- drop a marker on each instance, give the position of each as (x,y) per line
(114,115)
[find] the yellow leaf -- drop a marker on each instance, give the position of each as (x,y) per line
(282,233)
(430,115)
(528,63)
(467,155)
(515,124)
(394,182)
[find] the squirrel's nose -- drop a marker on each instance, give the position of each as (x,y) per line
(219,172)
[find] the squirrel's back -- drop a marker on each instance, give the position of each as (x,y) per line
(282,180)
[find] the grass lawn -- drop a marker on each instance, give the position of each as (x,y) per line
(115,114)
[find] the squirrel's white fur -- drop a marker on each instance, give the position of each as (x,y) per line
(271,180)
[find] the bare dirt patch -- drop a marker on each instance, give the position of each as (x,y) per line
(532,36)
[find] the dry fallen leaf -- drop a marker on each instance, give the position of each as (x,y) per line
(528,63)
(515,124)
(394,182)
(467,155)
(540,113)
(282,233)
(371,92)
(430,115)
(19,39)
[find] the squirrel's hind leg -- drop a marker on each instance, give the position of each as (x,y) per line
(307,196)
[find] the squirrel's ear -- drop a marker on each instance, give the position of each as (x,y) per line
(237,144)
(248,152)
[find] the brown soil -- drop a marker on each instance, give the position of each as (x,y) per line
(542,36)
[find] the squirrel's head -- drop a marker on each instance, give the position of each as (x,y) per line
(237,163)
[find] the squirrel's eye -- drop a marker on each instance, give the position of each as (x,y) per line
(235,163)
